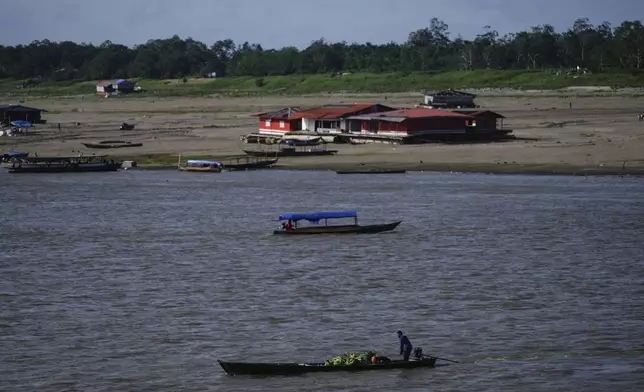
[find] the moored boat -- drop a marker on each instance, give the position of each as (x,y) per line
(248,163)
(291,226)
(200,165)
(112,144)
(250,368)
(80,163)
(371,171)
(6,157)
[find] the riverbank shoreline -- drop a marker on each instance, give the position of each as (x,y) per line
(562,135)
(470,168)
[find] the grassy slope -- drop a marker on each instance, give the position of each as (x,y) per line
(355,83)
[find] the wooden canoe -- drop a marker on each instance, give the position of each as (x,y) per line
(344,229)
(290,153)
(371,171)
(249,368)
(112,144)
(203,169)
(250,165)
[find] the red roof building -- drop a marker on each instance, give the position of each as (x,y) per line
(324,119)
(279,122)
(413,122)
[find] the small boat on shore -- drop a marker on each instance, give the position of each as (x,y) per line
(291,226)
(250,368)
(80,163)
(198,165)
(371,171)
(112,144)
(6,157)
(248,163)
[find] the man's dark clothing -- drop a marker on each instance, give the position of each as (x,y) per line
(405,347)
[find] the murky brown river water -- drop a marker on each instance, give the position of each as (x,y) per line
(141,280)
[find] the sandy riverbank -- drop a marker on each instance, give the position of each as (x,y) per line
(597,135)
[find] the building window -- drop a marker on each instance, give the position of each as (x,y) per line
(267,123)
(281,124)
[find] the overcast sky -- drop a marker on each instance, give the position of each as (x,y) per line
(277,23)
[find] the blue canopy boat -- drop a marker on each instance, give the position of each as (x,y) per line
(291,224)
(200,165)
(6,157)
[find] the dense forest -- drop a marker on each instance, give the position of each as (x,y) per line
(430,49)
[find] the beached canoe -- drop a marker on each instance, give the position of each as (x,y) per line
(249,368)
(112,144)
(200,165)
(246,163)
(371,171)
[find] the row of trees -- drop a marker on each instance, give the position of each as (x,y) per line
(430,49)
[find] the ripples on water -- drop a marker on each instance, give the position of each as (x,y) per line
(140,280)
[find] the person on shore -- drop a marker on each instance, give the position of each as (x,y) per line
(405,346)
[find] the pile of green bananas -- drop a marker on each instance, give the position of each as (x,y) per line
(360,358)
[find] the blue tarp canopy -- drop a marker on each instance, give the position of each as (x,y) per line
(316,216)
(12,154)
(21,124)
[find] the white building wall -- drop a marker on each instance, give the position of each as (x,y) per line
(308,124)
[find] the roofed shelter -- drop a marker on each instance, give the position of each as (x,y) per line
(449,99)
(279,122)
(413,122)
(9,113)
(115,86)
(331,118)
(485,121)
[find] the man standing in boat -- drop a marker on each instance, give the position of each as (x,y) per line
(405,346)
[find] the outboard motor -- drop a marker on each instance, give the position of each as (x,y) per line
(418,353)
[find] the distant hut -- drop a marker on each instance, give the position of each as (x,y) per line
(449,99)
(120,86)
(9,113)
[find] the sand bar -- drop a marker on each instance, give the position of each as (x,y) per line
(599,134)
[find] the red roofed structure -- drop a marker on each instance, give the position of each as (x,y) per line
(279,122)
(413,121)
(329,118)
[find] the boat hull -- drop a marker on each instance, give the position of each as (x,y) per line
(290,153)
(250,165)
(107,146)
(200,169)
(71,168)
(371,171)
(345,229)
(241,368)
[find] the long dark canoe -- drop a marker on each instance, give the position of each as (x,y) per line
(371,171)
(248,368)
(289,153)
(112,144)
(344,229)
(259,164)
(62,168)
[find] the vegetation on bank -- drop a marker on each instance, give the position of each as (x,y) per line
(581,48)
(350,83)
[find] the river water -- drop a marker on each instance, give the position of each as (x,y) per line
(141,280)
